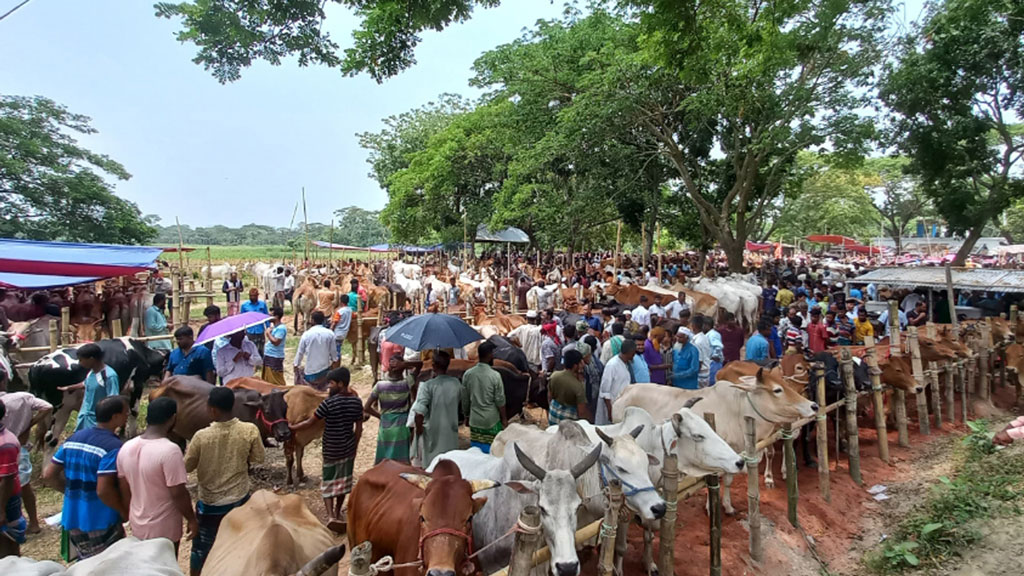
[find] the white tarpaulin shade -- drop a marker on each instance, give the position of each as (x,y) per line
(509,235)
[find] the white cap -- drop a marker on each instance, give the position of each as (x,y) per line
(531,314)
(685,331)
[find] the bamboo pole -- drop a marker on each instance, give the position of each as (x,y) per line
(950,398)
(894,329)
(871,359)
(64,338)
(669,487)
(209,277)
(618,249)
(962,372)
(525,543)
(179,285)
(792,489)
(1013,321)
(922,399)
(54,336)
(643,245)
(609,528)
(983,361)
(753,491)
(657,232)
(822,439)
(952,302)
(714,513)
(936,393)
(853,440)
(360,346)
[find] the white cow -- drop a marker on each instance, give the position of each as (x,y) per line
(410,285)
(770,405)
(554,490)
(126,557)
(221,271)
(621,458)
(411,271)
(731,298)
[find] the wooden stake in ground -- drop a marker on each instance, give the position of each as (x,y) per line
(209,278)
(822,439)
(853,440)
(669,488)
(983,362)
(871,358)
(792,489)
(753,490)
(525,543)
(936,393)
(714,512)
(950,398)
(922,398)
(609,528)
(54,334)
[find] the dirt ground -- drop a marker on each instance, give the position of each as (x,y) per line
(832,538)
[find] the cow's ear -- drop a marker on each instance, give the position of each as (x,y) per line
(522,486)
(418,480)
(746,383)
(478,504)
(653,461)
(253,404)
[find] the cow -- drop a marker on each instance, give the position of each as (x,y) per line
(621,458)
(133,361)
(771,405)
(303,303)
(192,394)
(302,402)
(155,557)
(275,535)
(555,493)
(414,517)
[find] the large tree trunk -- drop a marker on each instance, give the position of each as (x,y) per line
(733,249)
(968,245)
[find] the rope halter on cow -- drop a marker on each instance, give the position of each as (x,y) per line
(628,489)
(756,411)
(268,423)
(467,536)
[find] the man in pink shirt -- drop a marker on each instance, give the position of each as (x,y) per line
(1013,431)
(151,472)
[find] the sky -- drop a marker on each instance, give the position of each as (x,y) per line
(238,153)
(230,154)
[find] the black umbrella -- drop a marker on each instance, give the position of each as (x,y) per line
(428,331)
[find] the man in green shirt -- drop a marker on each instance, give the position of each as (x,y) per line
(437,410)
(567,395)
(483,399)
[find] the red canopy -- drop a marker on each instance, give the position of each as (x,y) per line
(758,247)
(832,239)
(865,249)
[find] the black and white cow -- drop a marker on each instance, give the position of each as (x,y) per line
(134,362)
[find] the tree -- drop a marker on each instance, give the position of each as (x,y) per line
(899,199)
(53,189)
(358,227)
(957,87)
(231,34)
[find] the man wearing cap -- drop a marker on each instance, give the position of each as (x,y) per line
(529,338)
(685,361)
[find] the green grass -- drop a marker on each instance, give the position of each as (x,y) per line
(268,254)
(987,483)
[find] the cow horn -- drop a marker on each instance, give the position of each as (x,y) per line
(607,439)
(636,431)
(692,401)
(321,563)
(528,463)
(418,480)
(585,464)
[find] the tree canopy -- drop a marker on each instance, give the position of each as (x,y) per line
(53,189)
(957,87)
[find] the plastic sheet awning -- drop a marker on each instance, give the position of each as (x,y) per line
(378,247)
(508,235)
(34,264)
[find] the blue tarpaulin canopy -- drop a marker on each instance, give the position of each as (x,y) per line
(34,264)
(379,247)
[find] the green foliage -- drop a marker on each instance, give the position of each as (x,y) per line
(53,189)
(987,484)
(957,86)
(231,34)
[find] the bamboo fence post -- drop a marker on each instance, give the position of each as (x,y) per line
(359,560)
(899,397)
(894,329)
(670,488)
(54,336)
(209,278)
(922,399)
(822,424)
(962,371)
(792,489)
(360,346)
(116,328)
(753,491)
(879,402)
(609,528)
(936,393)
(950,398)
(951,300)
(618,250)
(64,338)
(714,513)
(853,440)
(1013,321)
(1002,364)
(526,542)
(983,368)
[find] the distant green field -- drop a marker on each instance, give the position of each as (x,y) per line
(269,254)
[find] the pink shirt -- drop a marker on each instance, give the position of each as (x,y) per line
(151,467)
(1016,429)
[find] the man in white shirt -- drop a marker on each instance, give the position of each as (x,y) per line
(676,306)
(703,345)
(529,338)
(289,285)
(237,359)
(641,315)
(616,377)
(318,347)
(656,310)
(277,282)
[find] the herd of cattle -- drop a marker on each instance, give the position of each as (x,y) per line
(467,499)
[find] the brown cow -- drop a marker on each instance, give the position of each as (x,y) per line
(413,517)
(274,535)
(192,394)
(505,323)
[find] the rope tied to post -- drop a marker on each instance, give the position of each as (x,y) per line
(787,434)
(751,461)
(387,564)
(518,528)
(608,531)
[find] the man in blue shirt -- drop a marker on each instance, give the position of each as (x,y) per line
(190,360)
(85,470)
(155,323)
(593,322)
(768,293)
(100,382)
(685,361)
(757,345)
(254,304)
(776,339)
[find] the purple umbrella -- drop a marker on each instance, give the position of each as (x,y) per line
(230,325)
